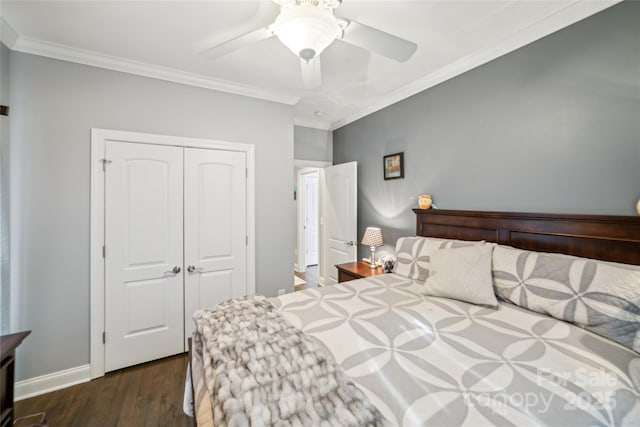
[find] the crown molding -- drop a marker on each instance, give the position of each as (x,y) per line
(569,15)
(8,35)
(94,59)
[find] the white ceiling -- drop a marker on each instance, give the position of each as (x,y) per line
(163,39)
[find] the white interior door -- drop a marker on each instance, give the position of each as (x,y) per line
(311,219)
(215,229)
(143,262)
(341,214)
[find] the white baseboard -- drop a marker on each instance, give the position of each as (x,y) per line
(51,382)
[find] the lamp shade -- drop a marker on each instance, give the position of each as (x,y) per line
(372,237)
(306,29)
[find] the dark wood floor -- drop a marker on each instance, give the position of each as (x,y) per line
(145,395)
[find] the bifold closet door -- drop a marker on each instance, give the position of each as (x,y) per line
(144,253)
(215,229)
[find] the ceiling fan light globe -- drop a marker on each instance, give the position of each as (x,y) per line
(306,29)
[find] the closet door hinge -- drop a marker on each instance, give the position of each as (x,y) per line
(246,172)
(246,240)
(105,162)
(104,337)
(104,251)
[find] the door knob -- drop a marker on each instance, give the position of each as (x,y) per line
(351,243)
(175,270)
(194,269)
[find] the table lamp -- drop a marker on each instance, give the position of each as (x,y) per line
(372,238)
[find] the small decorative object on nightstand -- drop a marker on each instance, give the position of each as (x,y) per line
(388,263)
(372,238)
(356,270)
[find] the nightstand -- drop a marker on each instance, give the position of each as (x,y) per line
(356,270)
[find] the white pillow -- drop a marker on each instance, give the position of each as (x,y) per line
(463,274)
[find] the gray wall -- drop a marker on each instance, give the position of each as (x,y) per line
(312,144)
(4,193)
(551,127)
(54,104)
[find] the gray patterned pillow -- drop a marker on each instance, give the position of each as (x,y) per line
(600,296)
(412,254)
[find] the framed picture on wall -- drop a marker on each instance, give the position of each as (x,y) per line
(393,166)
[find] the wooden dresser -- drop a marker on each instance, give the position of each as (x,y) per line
(8,344)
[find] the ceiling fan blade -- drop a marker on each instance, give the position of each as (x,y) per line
(311,73)
(237,43)
(378,41)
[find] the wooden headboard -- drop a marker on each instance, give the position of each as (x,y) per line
(605,237)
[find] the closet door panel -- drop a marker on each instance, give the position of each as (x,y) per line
(215,202)
(214,286)
(214,228)
(143,237)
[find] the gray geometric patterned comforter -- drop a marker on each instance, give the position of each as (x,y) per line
(434,361)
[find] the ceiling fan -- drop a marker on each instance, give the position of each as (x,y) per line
(307,27)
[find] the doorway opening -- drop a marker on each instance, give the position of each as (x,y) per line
(308,178)
(308,228)
(337,213)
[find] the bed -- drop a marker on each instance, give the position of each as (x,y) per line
(556,350)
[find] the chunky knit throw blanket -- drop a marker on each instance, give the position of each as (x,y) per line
(260,370)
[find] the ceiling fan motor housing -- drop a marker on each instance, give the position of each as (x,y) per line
(306,27)
(328,4)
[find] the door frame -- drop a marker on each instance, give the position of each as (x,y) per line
(319,166)
(301,259)
(99,138)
